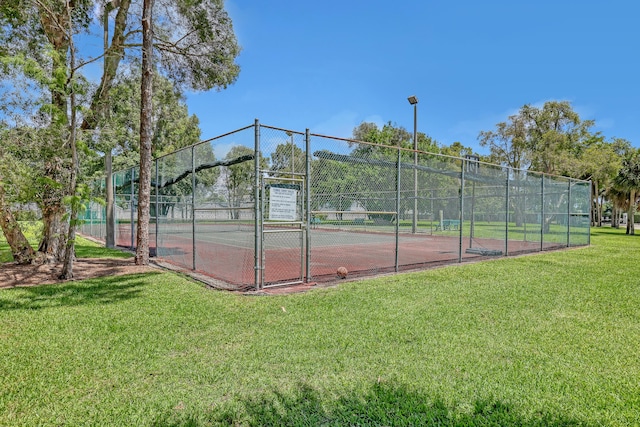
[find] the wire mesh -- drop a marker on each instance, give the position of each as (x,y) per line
(264,206)
(283,218)
(224,207)
(94,216)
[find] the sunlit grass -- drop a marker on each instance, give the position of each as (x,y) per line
(84,248)
(548,339)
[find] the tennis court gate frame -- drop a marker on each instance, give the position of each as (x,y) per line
(286,204)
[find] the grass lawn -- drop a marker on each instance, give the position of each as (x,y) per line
(549,339)
(84,248)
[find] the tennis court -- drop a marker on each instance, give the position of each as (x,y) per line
(265,206)
(226,251)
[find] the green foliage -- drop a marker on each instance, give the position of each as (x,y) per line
(239,179)
(173,127)
(199,48)
(390,135)
(282,159)
(550,139)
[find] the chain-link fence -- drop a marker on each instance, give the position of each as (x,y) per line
(264,206)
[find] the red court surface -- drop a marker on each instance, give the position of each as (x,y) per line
(230,257)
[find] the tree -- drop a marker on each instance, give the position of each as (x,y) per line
(146,96)
(390,135)
(628,181)
(542,139)
(288,158)
(599,162)
(508,143)
(370,182)
(21,250)
(238,179)
(41,46)
(456,149)
(195,46)
(556,134)
(173,127)
(547,140)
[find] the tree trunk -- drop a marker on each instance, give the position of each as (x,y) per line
(112,57)
(599,202)
(69,251)
(631,213)
(53,232)
(144,189)
(21,250)
(54,20)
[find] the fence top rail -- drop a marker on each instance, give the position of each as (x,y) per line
(282,129)
(355,141)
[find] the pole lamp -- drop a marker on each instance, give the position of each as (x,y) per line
(413,100)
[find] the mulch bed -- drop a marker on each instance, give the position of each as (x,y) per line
(13,275)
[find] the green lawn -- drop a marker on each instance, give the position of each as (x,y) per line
(84,247)
(549,339)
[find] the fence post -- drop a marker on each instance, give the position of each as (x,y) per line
(506,217)
(542,214)
(569,215)
(157,206)
(461,213)
(590,204)
(193,204)
(133,171)
(307,139)
(110,208)
(256,206)
(397,228)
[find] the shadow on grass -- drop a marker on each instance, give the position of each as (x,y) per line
(621,231)
(380,405)
(104,290)
(88,251)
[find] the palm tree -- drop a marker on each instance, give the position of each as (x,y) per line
(628,181)
(620,201)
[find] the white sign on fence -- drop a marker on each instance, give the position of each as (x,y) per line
(283,204)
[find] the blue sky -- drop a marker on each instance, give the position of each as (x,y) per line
(330,65)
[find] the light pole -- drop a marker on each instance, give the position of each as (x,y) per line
(413,100)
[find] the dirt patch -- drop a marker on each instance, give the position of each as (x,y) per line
(12,275)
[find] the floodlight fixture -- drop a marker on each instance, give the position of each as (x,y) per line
(413,100)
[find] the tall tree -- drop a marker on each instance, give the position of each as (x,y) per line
(289,158)
(238,179)
(508,143)
(556,134)
(173,127)
(195,46)
(146,96)
(21,250)
(599,162)
(628,181)
(39,37)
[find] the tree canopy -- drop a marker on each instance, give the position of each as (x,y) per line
(66,116)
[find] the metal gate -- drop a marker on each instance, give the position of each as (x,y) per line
(282,230)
